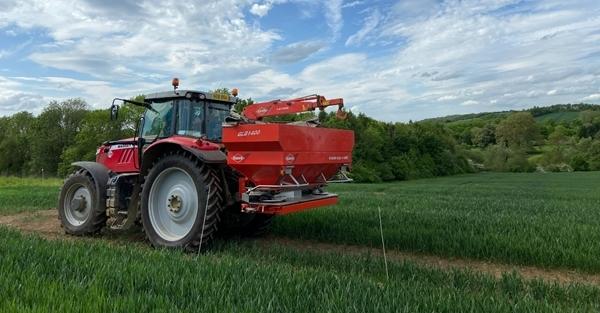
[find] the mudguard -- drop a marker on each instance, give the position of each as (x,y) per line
(208,156)
(100,174)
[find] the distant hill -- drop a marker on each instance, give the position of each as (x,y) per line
(557,113)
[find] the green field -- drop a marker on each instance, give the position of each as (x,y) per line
(41,276)
(29,194)
(544,220)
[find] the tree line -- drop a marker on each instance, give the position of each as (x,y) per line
(518,142)
(70,131)
(64,132)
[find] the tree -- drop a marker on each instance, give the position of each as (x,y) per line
(518,131)
(590,124)
(15,150)
(483,137)
(53,131)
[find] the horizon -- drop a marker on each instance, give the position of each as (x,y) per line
(393,61)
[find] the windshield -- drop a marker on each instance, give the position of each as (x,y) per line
(157,123)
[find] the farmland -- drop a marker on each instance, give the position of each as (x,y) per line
(544,219)
(18,195)
(547,221)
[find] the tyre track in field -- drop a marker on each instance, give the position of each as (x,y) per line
(46,224)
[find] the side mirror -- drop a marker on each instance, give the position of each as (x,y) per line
(114,112)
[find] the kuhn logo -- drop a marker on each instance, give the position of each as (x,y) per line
(290,158)
(247,133)
(238,158)
(338,157)
(262,110)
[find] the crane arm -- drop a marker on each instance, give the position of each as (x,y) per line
(257,111)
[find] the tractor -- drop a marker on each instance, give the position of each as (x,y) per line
(197,168)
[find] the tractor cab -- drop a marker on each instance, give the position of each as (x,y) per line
(185,113)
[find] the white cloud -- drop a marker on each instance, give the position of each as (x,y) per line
(261,10)
(352,4)
(13,100)
(469,103)
(370,23)
(592,97)
(211,39)
(333,9)
(423,58)
(446,98)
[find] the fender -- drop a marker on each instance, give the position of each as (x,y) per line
(207,156)
(157,149)
(100,174)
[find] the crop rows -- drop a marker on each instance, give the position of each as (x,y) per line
(61,276)
(549,220)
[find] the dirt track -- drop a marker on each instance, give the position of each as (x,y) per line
(46,224)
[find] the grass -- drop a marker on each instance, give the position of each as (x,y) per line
(94,276)
(28,194)
(541,219)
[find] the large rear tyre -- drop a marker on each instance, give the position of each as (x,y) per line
(79,208)
(181,202)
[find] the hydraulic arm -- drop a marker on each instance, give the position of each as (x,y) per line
(257,111)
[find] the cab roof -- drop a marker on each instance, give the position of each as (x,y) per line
(215,96)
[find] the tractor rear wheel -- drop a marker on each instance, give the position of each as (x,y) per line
(79,208)
(181,202)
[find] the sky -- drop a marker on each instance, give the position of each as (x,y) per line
(392,60)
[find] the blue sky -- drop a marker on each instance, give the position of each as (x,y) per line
(393,60)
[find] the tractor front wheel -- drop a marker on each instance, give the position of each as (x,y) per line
(181,202)
(79,208)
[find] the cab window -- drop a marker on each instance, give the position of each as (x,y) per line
(217,113)
(190,118)
(157,122)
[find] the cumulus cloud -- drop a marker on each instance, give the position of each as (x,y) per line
(153,37)
(500,54)
(261,10)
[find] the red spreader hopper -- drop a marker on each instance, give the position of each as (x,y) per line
(283,167)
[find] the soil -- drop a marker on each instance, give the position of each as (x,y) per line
(46,224)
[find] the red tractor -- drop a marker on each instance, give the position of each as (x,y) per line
(196,167)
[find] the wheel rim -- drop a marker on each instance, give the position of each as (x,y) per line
(173,204)
(78,204)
